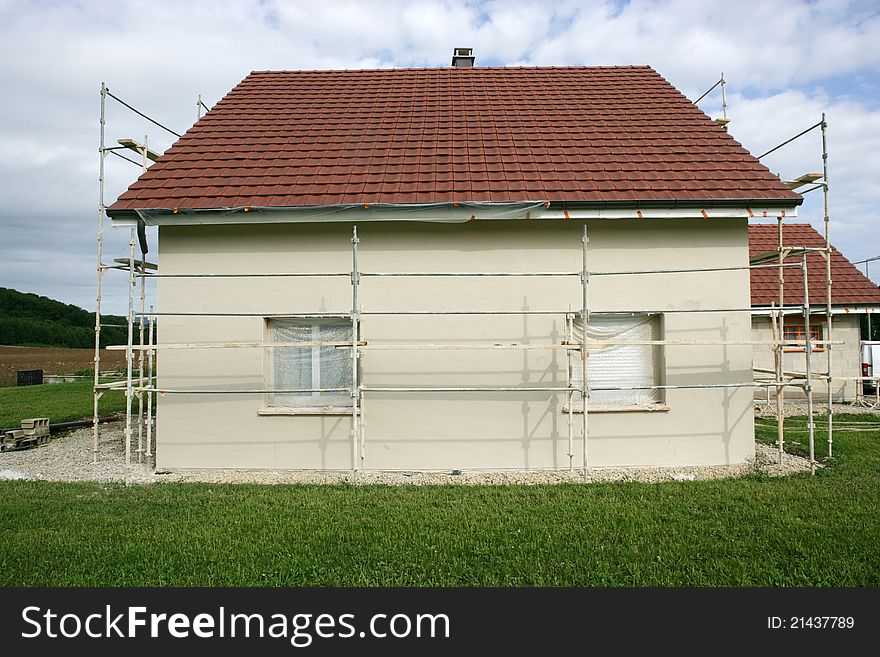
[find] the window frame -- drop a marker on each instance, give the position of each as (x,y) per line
(815,327)
(270,406)
(659,373)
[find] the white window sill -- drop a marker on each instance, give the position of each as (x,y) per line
(325,410)
(622,409)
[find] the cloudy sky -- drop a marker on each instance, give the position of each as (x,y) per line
(786,62)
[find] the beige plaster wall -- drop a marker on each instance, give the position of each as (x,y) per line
(422,431)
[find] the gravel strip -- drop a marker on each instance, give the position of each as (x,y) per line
(69,458)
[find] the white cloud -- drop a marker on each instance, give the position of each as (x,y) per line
(853,163)
(764,45)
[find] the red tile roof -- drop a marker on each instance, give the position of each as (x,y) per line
(849,286)
(589,134)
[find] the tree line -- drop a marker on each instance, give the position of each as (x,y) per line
(31,320)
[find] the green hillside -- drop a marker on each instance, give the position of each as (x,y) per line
(31,320)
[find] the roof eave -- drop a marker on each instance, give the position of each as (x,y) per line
(746,205)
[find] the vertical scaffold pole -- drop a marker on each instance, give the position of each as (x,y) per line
(362,428)
(140,394)
(97,360)
(569,381)
(142,268)
(808,353)
(585,321)
(774,335)
(827,285)
(150,384)
(355,381)
(724,98)
(129,356)
(780,349)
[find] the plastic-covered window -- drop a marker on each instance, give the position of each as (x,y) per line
(620,365)
(297,373)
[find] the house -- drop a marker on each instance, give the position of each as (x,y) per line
(852,295)
(460,170)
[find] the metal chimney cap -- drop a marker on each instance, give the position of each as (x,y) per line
(463,57)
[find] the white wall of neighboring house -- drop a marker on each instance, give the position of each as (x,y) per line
(845,359)
(442,431)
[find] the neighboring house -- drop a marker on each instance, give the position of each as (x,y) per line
(852,295)
(453,170)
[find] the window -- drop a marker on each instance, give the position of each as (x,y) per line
(620,365)
(797,333)
(309,367)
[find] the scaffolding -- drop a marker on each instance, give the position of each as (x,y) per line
(814,181)
(141,385)
(136,270)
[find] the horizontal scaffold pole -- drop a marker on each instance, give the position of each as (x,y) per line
(701,270)
(293,315)
(702,386)
(306,274)
(221,391)
(443,274)
(574,346)
(232,345)
(466,389)
(639,311)
(694,386)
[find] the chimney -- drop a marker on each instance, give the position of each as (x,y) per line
(463,57)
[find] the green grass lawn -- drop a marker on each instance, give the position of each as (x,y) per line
(60,402)
(756,531)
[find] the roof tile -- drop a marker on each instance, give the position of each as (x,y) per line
(849,286)
(300,138)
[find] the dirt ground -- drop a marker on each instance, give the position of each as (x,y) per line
(53,361)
